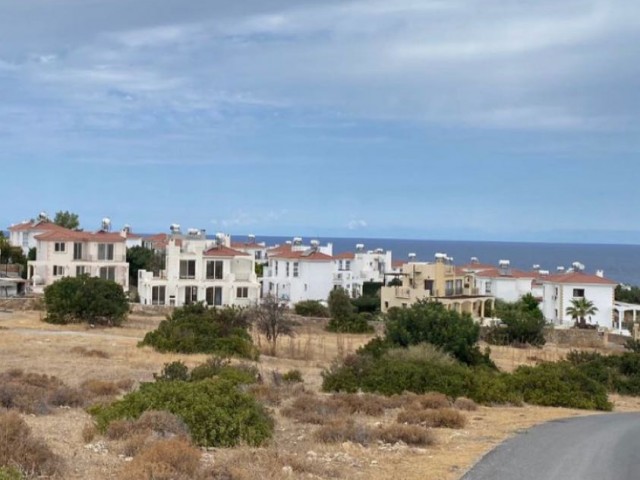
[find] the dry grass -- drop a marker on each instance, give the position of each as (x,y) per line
(160,423)
(269,464)
(440,418)
(409,434)
(466,404)
(86,352)
(35,393)
(343,429)
(433,400)
(351,403)
(174,459)
(34,346)
(20,449)
(310,408)
(89,432)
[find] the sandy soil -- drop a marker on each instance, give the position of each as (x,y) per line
(31,345)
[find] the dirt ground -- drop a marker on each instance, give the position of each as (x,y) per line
(33,346)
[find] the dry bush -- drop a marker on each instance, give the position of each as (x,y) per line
(18,448)
(409,434)
(463,403)
(126,384)
(352,403)
(433,400)
(311,409)
(99,388)
(161,423)
(441,418)
(89,432)
(89,352)
(266,393)
(267,464)
(173,459)
(345,430)
(35,393)
(135,443)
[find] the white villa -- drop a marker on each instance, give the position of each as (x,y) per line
(296,273)
(559,290)
(503,282)
(354,269)
(257,249)
(69,253)
(200,270)
(24,234)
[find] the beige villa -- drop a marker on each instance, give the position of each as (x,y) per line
(438,281)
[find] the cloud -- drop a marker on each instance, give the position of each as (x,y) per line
(356,224)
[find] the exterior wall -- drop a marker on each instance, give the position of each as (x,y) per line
(557,297)
(314,280)
(48,261)
(372,266)
(238,272)
(509,289)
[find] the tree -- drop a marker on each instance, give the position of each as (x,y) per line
(343,316)
(85,299)
(432,322)
(522,323)
(67,219)
(141,258)
(579,309)
(11,255)
(271,320)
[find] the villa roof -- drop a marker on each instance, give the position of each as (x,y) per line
(577,278)
(476,267)
(345,256)
(224,251)
(73,235)
(250,245)
(512,273)
(44,226)
(303,255)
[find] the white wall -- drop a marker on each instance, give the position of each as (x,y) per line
(557,297)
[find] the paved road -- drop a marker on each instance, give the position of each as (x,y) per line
(597,447)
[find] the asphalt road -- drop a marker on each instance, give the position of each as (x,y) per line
(597,447)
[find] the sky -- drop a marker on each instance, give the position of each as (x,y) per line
(440,119)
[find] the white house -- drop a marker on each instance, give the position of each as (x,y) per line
(201,270)
(23,234)
(69,253)
(504,282)
(257,249)
(354,269)
(294,274)
(560,290)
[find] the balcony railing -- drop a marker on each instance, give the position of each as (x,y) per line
(95,259)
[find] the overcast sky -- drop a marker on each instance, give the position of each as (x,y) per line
(452,119)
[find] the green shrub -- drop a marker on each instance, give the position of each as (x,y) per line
(85,299)
(173,371)
(366,304)
(311,308)
(432,322)
(198,329)
(217,413)
(292,376)
(559,385)
(10,473)
(344,319)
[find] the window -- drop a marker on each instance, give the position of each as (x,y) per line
(77,251)
(190,295)
(214,296)
(105,251)
(215,270)
(187,269)
(428,286)
(276,267)
(58,271)
(158,295)
(258,255)
(287,269)
(487,288)
(81,271)
(448,287)
(458,287)
(60,246)
(347,265)
(108,273)
(242,292)
(578,293)
(295,269)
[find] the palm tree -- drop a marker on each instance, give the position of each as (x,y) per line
(579,309)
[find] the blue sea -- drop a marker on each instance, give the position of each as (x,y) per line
(619,262)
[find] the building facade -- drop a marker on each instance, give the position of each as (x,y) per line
(201,270)
(68,253)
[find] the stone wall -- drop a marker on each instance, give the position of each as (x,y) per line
(22,303)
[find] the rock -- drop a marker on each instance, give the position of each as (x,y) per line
(287,470)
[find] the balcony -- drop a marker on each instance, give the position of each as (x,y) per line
(95,259)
